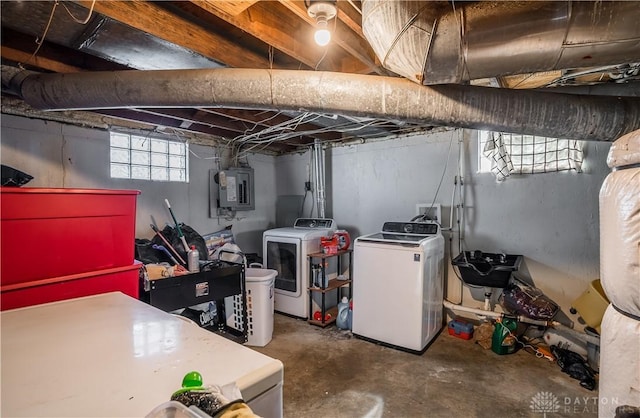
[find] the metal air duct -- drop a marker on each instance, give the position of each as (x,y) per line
(442,42)
(592,118)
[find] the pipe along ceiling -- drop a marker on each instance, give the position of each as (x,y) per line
(441,42)
(592,118)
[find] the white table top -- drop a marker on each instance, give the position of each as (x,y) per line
(112,355)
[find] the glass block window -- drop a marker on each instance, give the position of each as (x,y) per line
(504,154)
(144,158)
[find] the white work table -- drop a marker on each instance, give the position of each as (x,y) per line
(112,355)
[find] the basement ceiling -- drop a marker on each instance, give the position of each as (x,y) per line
(69,37)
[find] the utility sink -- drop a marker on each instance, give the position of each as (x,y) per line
(478,268)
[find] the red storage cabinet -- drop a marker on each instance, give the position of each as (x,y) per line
(49,233)
(123,279)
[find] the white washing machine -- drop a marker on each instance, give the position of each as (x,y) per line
(285,250)
(398,285)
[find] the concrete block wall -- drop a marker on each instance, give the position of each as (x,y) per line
(60,155)
(551,219)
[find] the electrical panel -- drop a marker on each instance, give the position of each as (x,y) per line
(236,188)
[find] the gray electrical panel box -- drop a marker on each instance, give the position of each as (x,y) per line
(236,188)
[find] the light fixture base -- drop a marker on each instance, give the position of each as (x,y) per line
(322,9)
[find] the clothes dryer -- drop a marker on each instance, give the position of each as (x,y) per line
(285,250)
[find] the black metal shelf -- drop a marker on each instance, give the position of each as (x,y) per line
(331,285)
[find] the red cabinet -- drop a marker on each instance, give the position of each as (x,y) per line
(82,238)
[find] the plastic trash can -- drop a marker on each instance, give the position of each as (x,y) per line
(260,306)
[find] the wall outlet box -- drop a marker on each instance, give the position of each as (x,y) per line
(433,211)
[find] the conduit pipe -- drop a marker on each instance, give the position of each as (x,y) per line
(318,159)
(496,315)
(591,118)
(492,314)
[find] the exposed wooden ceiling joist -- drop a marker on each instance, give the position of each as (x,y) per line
(264,22)
(342,36)
(19,47)
(158,119)
(350,17)
(205,33)
(150,18)
(41,61)
(232,7)
(192,116)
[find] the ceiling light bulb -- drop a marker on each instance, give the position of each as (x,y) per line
(322,37)
(322,11)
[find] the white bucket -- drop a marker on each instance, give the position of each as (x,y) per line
(260,305)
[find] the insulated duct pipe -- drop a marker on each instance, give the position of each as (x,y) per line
(630,89)
(590,118)
(446,42)
(318,160)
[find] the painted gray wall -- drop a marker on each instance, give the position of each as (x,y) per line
(59,155)
(550,218)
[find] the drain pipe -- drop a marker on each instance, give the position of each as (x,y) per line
(495,315)
(319,176)
(556,115)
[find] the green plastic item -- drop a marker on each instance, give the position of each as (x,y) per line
(190,381)
(503,340)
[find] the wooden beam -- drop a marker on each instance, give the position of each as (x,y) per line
(342,36)
(232,7)
(194,116)
(530,81)
(264,22)
(38,61)
(19,47)
(161,120)
(350,17)
(148,17)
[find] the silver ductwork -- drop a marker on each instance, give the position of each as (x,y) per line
(591,118)
(446,42)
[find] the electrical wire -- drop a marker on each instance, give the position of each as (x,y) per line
(84,21)
(40,40)
(203,158)
(326,49)
(444,171)
(282,136)
(304,199)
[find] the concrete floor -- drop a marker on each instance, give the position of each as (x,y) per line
(331,373)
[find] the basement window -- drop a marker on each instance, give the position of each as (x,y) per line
(144,158)
(504,154)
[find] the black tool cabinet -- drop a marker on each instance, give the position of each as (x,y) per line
(226,279)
